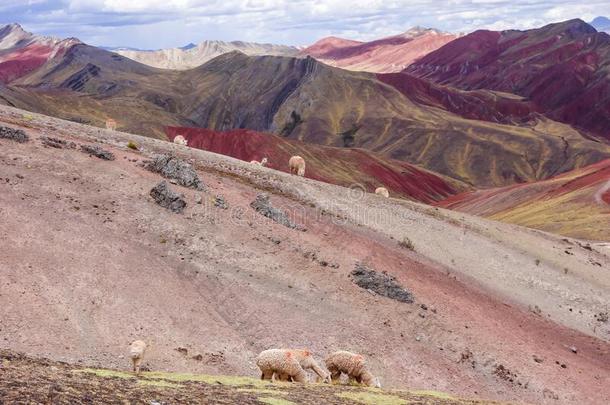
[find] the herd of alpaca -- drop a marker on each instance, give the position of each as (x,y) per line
(291,365)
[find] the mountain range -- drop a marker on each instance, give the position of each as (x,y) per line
(193,55)
(563,69)
(488,109)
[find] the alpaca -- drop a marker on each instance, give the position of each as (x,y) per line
(180,140)
(111,124)
(297,165)
(286,365)
(261,163)
(136,352)
(382,191)
(351,364)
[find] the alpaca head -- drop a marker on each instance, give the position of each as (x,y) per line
(264,161)
(301,171)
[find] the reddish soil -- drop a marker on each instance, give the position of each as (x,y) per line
(90,263)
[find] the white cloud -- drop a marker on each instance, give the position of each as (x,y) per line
(164,23)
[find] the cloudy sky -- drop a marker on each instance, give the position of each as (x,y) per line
(150,24)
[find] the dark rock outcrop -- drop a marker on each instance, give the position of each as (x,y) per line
(17,135)
(167,198)
(173,168)
(380,283)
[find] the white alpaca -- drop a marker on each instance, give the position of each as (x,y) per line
(297,165)
(287,365)
(180,140)
(136,352)
(382,191)
(261,163)
(111,124)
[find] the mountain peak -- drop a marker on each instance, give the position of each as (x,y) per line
(601,24)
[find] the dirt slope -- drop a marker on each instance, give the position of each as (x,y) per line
(90,262)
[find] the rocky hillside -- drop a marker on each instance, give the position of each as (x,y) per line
(225,259)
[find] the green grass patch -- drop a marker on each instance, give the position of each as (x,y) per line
(234,381)
(370,398)
(160,383)
(105,373)
(132,145)
(275,401)
(435,394)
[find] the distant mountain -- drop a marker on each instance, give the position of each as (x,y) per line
(22,52)
(601,24)
(193,55)
(562,68)
(306,100)
(390,54)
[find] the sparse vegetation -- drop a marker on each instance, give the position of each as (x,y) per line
(132,145)
(372,398)
(406,243)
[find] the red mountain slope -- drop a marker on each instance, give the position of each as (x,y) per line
(391,54)
(22,52)
(576,203)
(342,166)
(476,104)
(563,68)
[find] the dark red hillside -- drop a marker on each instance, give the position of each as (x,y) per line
(342,166)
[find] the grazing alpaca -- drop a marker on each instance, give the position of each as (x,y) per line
(136,352)
(297,165)
(286,365)
(382,191)
(261,163)
(180,140)
(353,365)
(111,124)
